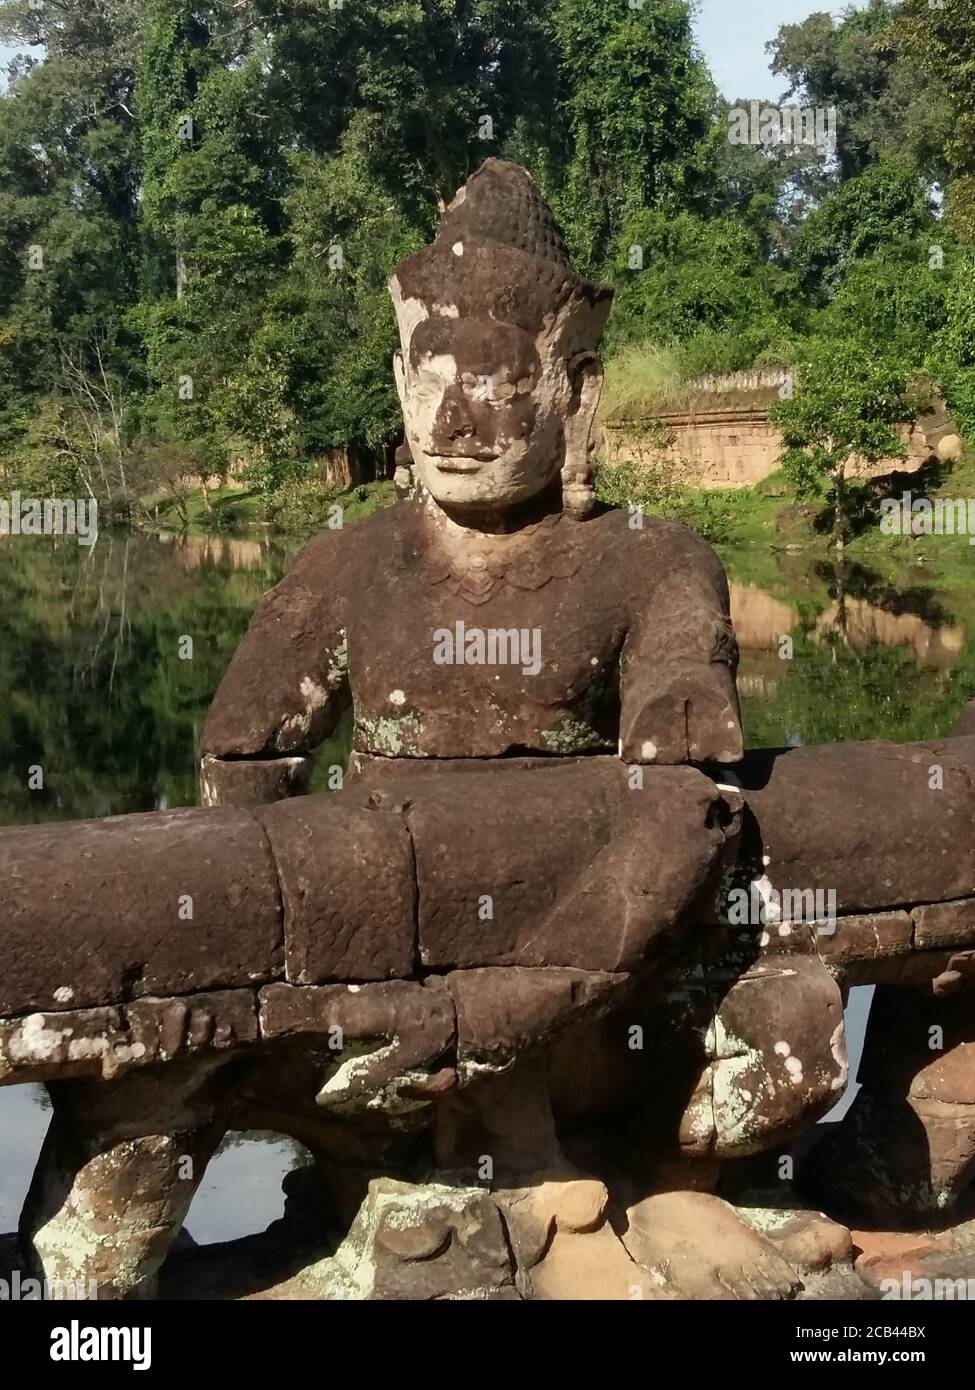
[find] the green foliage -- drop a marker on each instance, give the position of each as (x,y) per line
(699,279)
(846,401)
(638,102)
(639,378)
(884,207)
(649,487)
(887,107)
(942,40)
(953,353)
(897,301)
(220,193)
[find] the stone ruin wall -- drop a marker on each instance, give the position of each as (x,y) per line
(723,437)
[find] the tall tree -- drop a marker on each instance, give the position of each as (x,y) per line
(942,38)
(885,105)
(639,104)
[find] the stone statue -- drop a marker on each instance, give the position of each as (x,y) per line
(606,636)
(500,612)
(495,983)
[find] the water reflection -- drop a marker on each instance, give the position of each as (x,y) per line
(239,1195)
(831,654)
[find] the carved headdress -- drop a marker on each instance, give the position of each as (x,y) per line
(498,254)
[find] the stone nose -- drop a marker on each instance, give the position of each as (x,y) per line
(455,418)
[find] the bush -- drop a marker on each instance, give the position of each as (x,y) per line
(301,505)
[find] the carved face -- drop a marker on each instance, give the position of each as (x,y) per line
(484,415)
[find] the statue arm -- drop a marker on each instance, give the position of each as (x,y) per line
(284,691)
(679,699)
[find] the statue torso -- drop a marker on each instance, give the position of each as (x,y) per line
(543,642)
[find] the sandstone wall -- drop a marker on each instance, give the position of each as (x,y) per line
(731,448)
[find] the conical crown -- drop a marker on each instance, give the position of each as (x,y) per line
(498,254)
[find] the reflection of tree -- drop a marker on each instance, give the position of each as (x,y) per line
(842,683)
(296,1153)
(92,688)
(830,692)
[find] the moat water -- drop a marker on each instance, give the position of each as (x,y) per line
(97,690)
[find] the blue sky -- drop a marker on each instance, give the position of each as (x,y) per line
(733,35)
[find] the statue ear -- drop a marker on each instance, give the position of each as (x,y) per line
(399,373)
(586,379)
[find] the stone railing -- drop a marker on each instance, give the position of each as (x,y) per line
(396,944)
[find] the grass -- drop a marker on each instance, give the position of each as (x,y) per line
(751,519)
(234,508)
(641,378)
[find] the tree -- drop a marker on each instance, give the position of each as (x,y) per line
(885,107)
(846,401)
(68,197)
(702,283)
(885,207)
(952,360)
(639,103)
(896,299)
(942,38)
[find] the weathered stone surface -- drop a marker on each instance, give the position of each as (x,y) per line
(366,1011)
(501,1012)
(427,1243)
(807,1240)
(565,631)
(896,1255)
(567,866)
(119,1167)
(391,1043)
(591,1266)
(944,924)
(528,672)
(780,1050)
(870,937)
(106,1042)
(935,1053)
(348,889)
(695,1246)
(98,912)
(286,686)
(912,1125)
(250,781)
(881,796)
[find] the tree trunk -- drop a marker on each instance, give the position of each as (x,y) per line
(839,519)
(206,495)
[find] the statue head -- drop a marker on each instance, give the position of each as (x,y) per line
(497,373)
